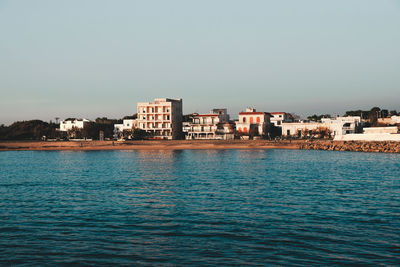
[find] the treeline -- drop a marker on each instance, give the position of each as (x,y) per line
(28,130)
(39,130)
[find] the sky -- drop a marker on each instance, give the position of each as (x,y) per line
(95,58)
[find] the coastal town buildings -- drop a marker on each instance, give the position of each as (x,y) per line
(389,120)
(337,126)
(214,125)
(161,118)
(343,125)
(373,134)
(70,124)
(126,126)
(299,129)
(251,120)
(277,118)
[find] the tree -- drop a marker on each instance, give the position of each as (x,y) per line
(28,130)
(132,117)
(374,115)
(318,117)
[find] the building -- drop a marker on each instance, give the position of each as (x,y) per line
(127,125)
(337,126)
(277,118)
(299,129)
(70,124)
(389,120)
(161,118)
(395,119)
(381,130)
(373,134)
(343,125)
(251,120)
(214,125)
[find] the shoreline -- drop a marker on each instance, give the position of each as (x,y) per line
(328,145)
(145,145)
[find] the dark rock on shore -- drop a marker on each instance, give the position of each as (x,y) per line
(359,146)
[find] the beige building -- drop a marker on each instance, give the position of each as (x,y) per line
(161,118)
(251,119)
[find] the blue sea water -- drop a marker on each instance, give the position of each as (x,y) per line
(199,207)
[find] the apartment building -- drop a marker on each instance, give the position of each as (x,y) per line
(277,118)
(214,125)
(251,119)
(161,118)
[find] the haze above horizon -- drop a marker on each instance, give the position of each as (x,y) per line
(99,58)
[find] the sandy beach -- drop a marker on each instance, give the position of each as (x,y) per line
(146,145)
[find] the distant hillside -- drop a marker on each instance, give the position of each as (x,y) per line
(28,130)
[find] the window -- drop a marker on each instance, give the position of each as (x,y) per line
(288,132)
(251,119)
(245,129)
(244,119)
(279,122)
(258,119)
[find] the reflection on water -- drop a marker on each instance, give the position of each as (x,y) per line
(217,207)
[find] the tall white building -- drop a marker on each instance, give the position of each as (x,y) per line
(161,118)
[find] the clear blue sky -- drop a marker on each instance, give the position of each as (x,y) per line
(82,58)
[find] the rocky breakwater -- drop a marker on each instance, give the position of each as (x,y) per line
(359,146)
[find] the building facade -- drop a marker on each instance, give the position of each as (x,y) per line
(127,125)
(251,120)
(299,129)
(343,125)
(214,125)
(70,124)
(337,126)
(277,118)
(161,118)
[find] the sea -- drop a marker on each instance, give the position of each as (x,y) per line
(199,208)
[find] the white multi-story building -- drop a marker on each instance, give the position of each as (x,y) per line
(70,124)
(161,118)
(210,126)
(251,119)
(277,118)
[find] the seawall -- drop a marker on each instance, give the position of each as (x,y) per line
(358,146)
